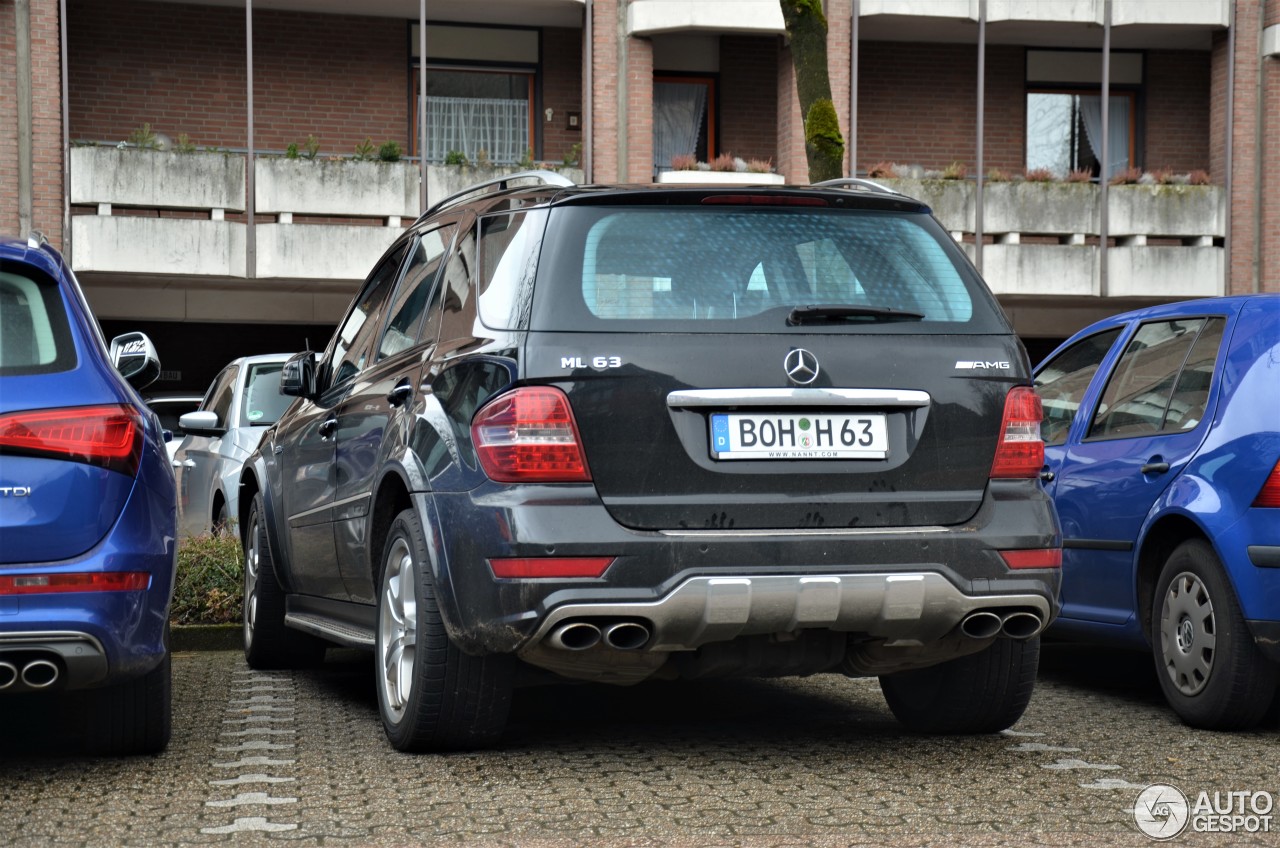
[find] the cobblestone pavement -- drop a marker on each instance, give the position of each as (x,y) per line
(299,758)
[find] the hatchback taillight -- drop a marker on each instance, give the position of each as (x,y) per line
(529,436)
(109,436)
(1269,496)
(1020,452)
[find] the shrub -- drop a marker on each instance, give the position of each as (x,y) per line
(389,151)
(526,161)
(723,162)
(184,144)
(482,159)
(291,152)
(1199,178)
(955,171)
(144,139)
(684,162)
(1080,175)
(575,153)
(364,150)
(880,170)
(998,175)
(1127,176)
(1038,175)
(760,166)
(311,148)
(209,588)
(456,157)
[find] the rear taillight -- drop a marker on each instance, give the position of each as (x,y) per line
(1020,452)
(109,436)
(1270,494)
(98,581)
(529,436)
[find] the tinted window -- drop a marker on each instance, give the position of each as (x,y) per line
(1063,381)
(218,400)
(1138,393)
(34,335)
(350,351)
(411,298)
(262,403)
(509,248)
(454,294)
(704,266)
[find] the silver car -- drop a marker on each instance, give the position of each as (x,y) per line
(241,403)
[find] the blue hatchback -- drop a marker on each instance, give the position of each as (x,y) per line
(87,511)
(1162,435)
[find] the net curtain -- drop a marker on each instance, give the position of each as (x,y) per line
(471,124)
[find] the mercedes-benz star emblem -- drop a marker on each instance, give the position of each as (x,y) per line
(801,366)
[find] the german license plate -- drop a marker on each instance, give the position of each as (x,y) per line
(799,436)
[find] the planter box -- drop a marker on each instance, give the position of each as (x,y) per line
(952,201)
(157,179)
(1041,208)
(343,187)
(1166,210)
(720,178)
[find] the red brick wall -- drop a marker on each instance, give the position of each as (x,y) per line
(1177,110)
(604,56)
(1244,245)
(182,69)
(639,106)
(46,121)
(791,161)
(8,127)
(748,96)
(1269,270)
(561,91)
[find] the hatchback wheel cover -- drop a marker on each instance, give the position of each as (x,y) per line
(1188,633)
(398,628)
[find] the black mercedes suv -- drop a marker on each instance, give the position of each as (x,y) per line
(619,433)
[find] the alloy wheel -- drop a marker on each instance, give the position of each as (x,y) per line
(251,577)
(1188,633)
(398,627)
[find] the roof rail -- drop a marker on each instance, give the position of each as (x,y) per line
(857,182)
(543,177)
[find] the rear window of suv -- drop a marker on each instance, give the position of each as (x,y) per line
(34,336)
(700,269)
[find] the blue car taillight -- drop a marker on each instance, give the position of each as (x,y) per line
(106,436)
(1269,495)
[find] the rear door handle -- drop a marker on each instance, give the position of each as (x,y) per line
(1046,475)
(1155,467)
(400,394)
(327,427)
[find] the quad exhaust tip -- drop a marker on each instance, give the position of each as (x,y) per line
(980,625)
(8,674)
(584,635)
(575,636)
(40,674)
(626,636)
(986,624)
(1021,625)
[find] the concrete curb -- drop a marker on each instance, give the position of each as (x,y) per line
(206,637)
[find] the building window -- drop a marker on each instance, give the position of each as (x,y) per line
(480,114)
(1064,111)
(684,110)
(1064,131)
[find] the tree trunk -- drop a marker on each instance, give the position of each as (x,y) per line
(823,143)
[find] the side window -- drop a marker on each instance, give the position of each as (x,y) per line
(351,343)
(1138,394)
(509,248)
(1062,383)
(411,298)
(218,401)
(454,294)
(1191,394)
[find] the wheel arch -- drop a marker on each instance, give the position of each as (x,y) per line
(1162,538)
(390,499)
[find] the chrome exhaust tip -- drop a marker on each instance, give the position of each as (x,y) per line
(8,674)
(40,674)
(1021,625)
(575,636)
(626,636)
(980,625)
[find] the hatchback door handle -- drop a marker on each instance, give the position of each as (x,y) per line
(1155,467)
(327,427)
(400,394)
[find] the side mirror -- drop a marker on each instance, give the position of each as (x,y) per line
(135,357)
(201,423)
(298,377)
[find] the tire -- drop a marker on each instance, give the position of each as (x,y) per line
(131,717)
(432,697)
(220,521)
(1212,673)
(268,643)
(984,692)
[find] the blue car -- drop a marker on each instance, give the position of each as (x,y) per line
(87,512)
(1162,435)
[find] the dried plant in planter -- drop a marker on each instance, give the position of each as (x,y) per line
(723,162)
(1038,175)
(955,171)
(997,175)
(1080,175)
(684,162)
(1199,178)
(760,166)
(1126,176)
(880,171)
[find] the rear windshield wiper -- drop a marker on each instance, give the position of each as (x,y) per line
(819,313)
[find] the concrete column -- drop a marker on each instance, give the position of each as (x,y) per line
(26,198)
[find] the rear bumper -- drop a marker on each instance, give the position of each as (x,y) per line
(700,586)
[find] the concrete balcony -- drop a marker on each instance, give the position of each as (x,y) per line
(1167,238)
(161,235)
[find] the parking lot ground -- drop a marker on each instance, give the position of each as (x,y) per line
(300,758)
